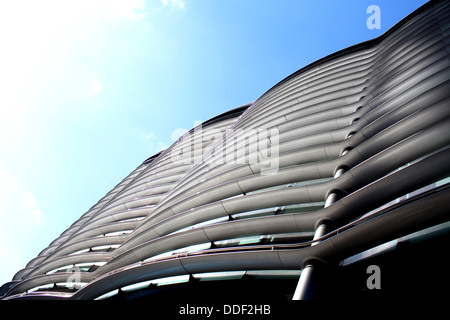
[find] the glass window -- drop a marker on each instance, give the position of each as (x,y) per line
(118,233)
(105,248)
(408,196)
(202,224)
(171,280)
(136,286)
(391,245)
(227,275)
(193,248)
(274,274)
(108,295)
(43,287)
(61,269)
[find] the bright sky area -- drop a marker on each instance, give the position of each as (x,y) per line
(91,88)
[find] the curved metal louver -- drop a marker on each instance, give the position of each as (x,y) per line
(337,143)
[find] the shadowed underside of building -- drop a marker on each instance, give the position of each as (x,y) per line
(334,183)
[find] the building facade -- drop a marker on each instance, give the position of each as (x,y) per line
(334,183)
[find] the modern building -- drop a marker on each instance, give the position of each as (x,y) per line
(334,183)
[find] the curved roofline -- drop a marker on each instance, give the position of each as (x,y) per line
(365,44)
(223,116)
(227,114)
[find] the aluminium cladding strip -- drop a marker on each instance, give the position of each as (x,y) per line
(148,181)
(419,214)
(378,110)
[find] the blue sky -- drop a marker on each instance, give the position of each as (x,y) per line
(91,88)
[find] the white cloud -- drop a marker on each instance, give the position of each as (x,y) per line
(15,261)
(20,221)
(132,9)
(152,142)
(30,204)
(96,86)
(17,203)
(149,136)
(162,146)
(38,36)
(177,133)
(174,3)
